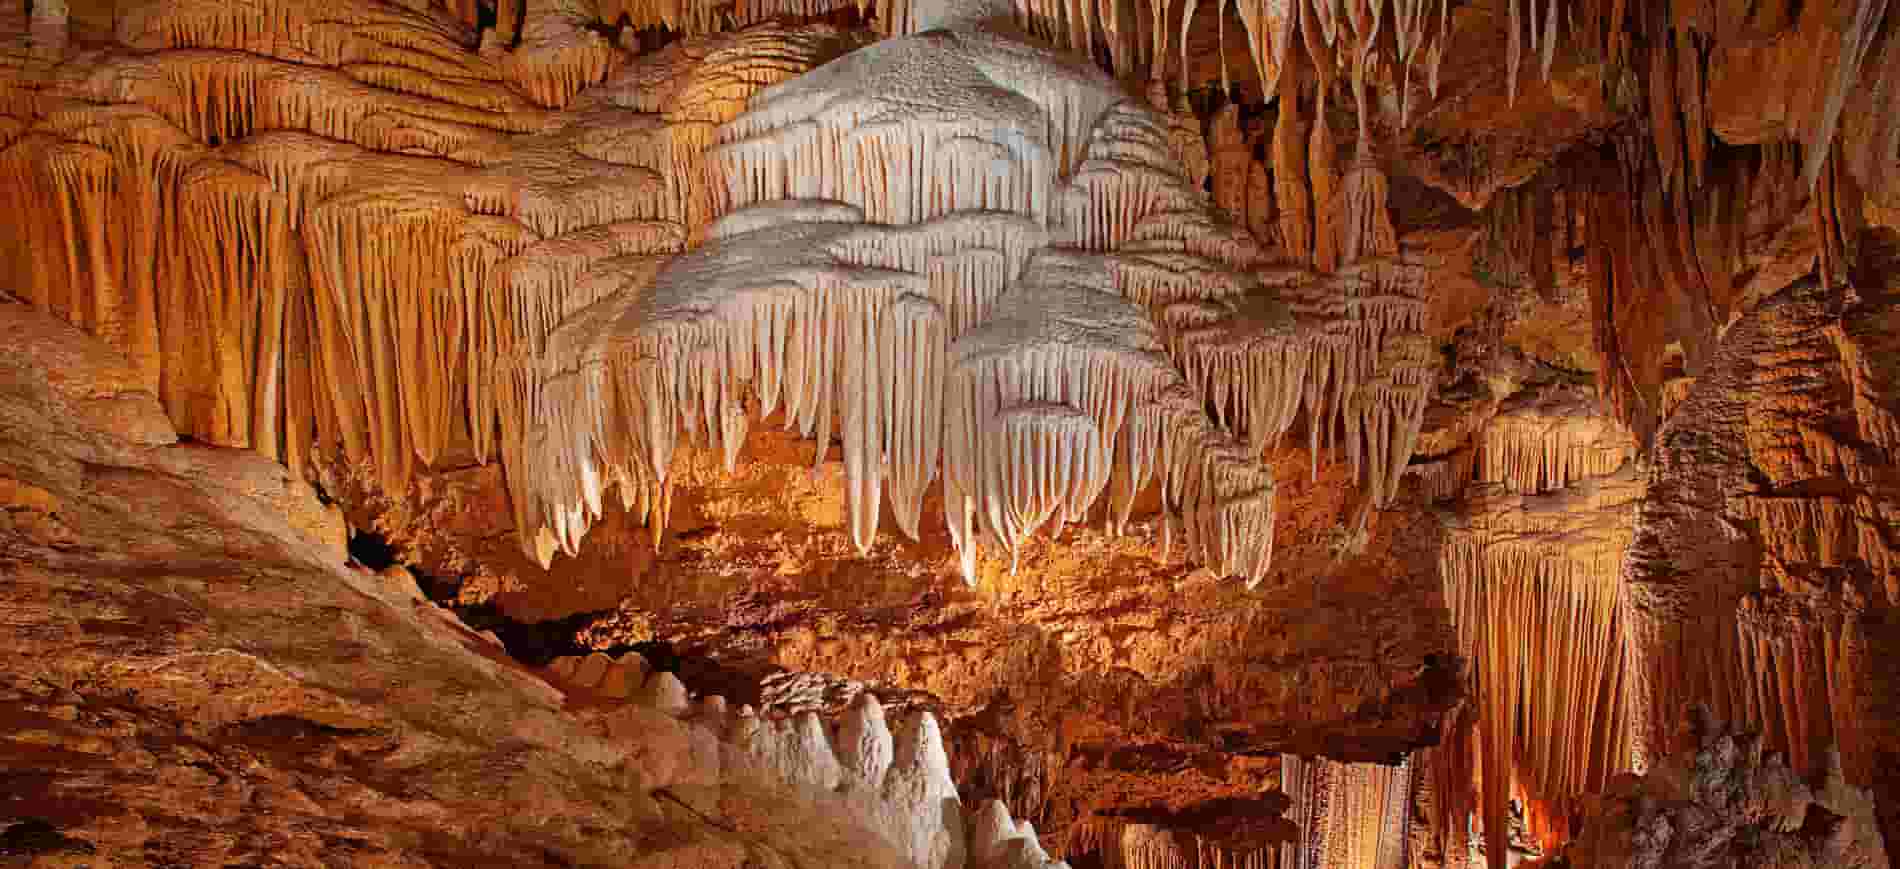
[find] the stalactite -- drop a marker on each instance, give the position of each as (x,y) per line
(1290,187)
(220,96)
(351,145)
(1681,254)
(1349,814)
(102,255)
(1270,26)
(1443,478)
(1550,442)
(1534,586)
(1321,155)
(557,52)
(1520,238)
(1018,453)
(1233,160)
(1870,129)
(241,255)
(1383,420)
(1263,217)
(1026,370)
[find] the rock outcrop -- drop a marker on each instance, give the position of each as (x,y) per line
(194,676)
(1727,801)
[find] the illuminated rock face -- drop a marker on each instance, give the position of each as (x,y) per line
(1246,446)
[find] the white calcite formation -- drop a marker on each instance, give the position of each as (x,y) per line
(896,779)
(977,262)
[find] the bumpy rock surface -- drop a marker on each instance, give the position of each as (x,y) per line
(1726,802)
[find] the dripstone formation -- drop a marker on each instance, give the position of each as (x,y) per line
(1277,434)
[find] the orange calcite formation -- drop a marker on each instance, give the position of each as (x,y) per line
(1535,587)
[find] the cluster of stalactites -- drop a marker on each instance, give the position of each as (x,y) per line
(233,218)
(1147,846)
(1666,225)
(1788,672)
(1149,37)
(1351,815)
(1535,588)
(1670,46)
(790,307)
(1049,377)
(1261,344)
(1064,392)
(328,306)
(1531,451)
(802,308)
(1666,268)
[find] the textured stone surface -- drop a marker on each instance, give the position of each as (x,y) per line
(1725,801)
(191,679)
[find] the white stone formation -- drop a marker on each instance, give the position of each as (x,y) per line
(976,261)
(896,779)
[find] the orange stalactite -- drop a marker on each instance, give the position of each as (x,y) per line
(386,344)
(1350,815)
(1534,586)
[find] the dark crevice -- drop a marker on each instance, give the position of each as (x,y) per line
(35,837)
(371,550)
(534,644)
